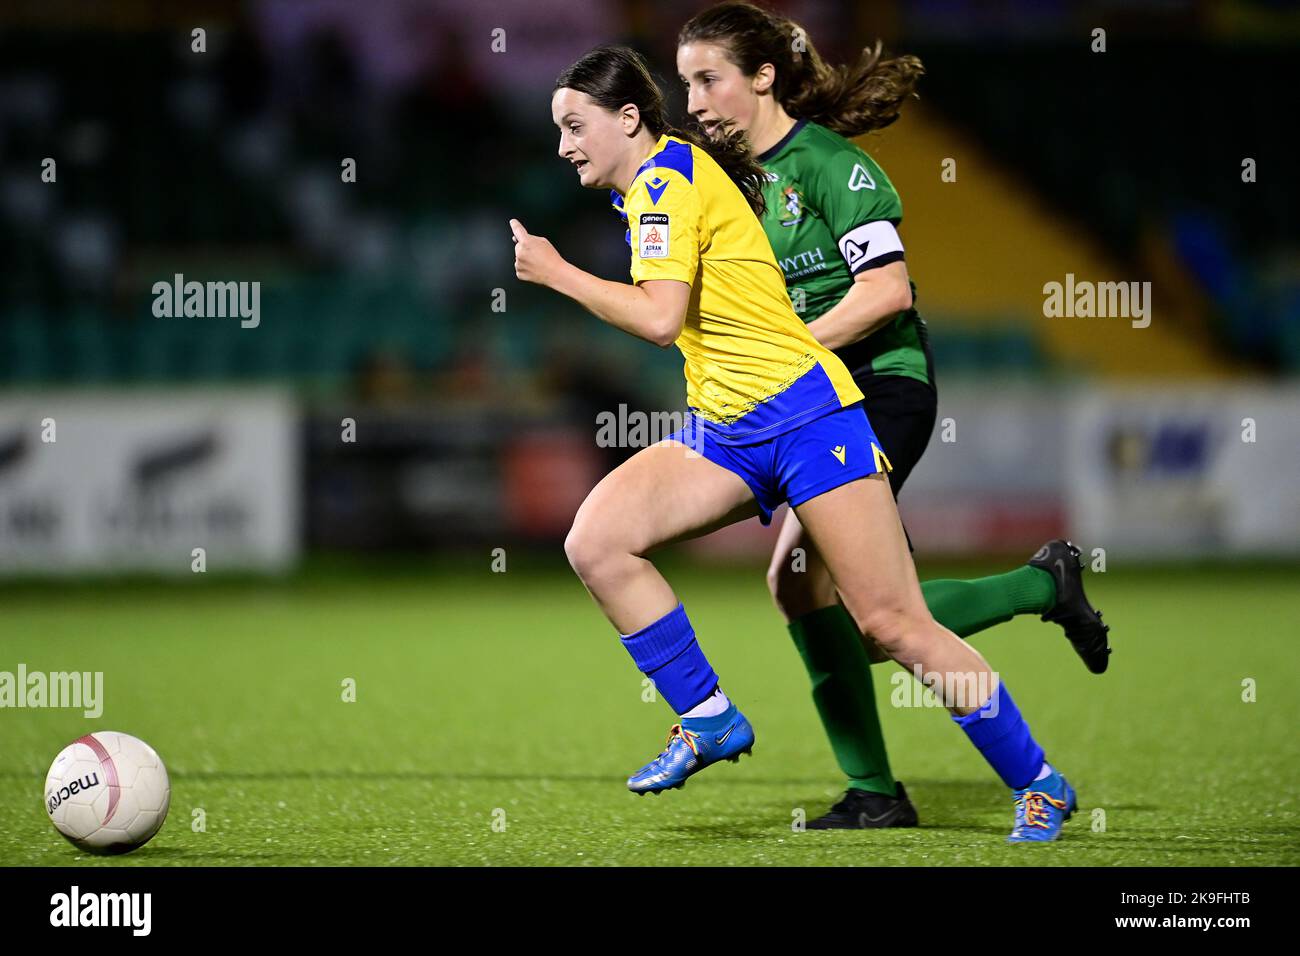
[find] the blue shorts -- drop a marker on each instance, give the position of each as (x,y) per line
(801,464)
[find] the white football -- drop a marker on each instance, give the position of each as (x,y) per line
(107,792)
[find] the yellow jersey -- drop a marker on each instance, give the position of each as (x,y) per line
(753,370)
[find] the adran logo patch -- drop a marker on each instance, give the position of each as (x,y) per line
(652,235)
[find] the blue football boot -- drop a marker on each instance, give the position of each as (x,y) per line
(1042,809)
(692,745)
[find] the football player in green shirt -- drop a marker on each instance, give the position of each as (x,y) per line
(832,218)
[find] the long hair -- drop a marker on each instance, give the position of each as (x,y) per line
(614,76)
(850,99)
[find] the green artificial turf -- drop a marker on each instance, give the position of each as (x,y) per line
(505,698)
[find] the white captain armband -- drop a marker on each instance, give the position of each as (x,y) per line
(871,245)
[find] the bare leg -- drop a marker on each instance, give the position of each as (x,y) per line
(798,593)
(858,532)
(663,494)
(658,496)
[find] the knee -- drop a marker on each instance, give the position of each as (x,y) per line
(797,593)
(895,628)
(774,582)
(582,549)
(590,551)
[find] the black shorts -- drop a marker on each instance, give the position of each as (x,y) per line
(902,413)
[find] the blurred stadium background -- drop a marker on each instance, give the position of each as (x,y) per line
(391,300)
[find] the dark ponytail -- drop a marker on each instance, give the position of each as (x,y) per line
(614,76)
(853,99)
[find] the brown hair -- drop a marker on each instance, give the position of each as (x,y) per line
(614,76)
(850,99)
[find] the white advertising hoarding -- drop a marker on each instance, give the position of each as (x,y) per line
(1186,471)
(127,481)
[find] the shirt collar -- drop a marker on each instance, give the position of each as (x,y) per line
(616,197)
(770,153)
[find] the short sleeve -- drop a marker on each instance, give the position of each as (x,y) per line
(861,208)
(663,217)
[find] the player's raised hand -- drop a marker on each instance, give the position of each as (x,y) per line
(535,258)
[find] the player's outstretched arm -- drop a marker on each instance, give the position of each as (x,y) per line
(655,310)
(875,298)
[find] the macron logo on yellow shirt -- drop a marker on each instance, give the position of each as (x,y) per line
(656,189)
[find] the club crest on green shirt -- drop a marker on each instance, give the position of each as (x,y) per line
(792,207)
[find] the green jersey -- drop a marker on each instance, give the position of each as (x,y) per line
(832,213)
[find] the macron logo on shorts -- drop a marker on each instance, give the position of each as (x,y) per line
(839,452)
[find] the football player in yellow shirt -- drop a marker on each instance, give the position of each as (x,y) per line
(774,417)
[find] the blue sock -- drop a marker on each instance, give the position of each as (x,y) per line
(999,733)
(667,652)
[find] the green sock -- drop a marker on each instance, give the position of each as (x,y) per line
(831,647)
(968,607)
